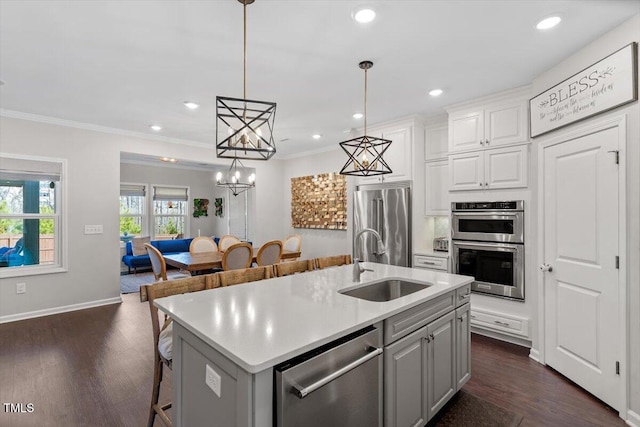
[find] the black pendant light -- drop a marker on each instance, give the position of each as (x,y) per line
(365,152)
(244,127)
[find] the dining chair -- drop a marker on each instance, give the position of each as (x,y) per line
(158,264)
(333,261)
(237,256)
(270,253)
(163,329)
(293,267)
(203,244)
(292,243)
(226,241)
(246,275)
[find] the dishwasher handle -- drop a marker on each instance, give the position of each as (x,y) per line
(303,392)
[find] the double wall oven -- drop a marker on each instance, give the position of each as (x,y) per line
(487,240)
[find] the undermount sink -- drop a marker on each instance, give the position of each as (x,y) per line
(386,290)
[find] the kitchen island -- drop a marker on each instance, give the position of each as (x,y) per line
(241,332)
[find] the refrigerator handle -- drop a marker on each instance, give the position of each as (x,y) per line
(380,219)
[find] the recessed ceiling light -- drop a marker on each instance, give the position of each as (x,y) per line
(156,128)
(357,115)
(191,105)
(168,159)
(549,22)
(364,15)
(316,136)
(435,92)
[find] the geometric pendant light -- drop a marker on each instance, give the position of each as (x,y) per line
(365,152)
(244,127)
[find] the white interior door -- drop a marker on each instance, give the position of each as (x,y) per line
(582,323)
(238,215)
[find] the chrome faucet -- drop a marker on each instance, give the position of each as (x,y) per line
(357,268)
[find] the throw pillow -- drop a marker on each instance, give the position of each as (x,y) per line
(137,245)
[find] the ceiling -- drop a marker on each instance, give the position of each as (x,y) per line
(129,64)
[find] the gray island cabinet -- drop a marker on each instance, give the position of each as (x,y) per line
(227,341)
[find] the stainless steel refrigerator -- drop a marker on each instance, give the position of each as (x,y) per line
(385,208)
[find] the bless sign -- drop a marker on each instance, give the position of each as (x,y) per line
(609,83)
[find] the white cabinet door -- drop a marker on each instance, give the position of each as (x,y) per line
(506,167)
(436,142)
(397,156)
(466,171)
(441,350)
(463,346)
(466,131)
(405,381)
(506,124)
(437,188)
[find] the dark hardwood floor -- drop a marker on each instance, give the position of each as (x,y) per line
(94,368)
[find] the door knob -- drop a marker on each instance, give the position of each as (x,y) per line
(546,267)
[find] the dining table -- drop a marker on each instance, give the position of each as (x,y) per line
(193,262)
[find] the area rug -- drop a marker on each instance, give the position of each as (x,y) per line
(130,283)
(467,410)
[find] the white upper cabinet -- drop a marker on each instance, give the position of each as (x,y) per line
(436,141)
(399,154)
(437,188)
(491,169)
(466,131)
(490,122)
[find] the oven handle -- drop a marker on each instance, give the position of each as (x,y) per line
(460,243)
(303,392)
(488,214)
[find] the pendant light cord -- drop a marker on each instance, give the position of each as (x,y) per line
(244,48)
(365,101)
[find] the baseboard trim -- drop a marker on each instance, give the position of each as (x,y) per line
(58,310)
(502,337)
(535,355)
(633,418)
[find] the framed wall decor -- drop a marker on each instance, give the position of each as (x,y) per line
(607,84)
(319,201)
(200,207)
(219,207)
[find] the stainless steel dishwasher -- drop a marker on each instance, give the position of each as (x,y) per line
(338,384)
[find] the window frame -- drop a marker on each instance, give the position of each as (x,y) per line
(144,217)
(60,219)
(153,216)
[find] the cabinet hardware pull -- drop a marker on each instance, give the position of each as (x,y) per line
(486,184)
(473,316)
(460,318)
(480,142)
(432,337)
(480,184)
(427,338)
(429,262)
(486,141)
(501,323)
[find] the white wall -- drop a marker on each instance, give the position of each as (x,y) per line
(315,242)
(93,187)
(605,45)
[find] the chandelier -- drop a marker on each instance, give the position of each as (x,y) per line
(244,127)
(365,152)
(237,179)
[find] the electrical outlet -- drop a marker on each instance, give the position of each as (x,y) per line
(93,229)
(212,378)
(21,288)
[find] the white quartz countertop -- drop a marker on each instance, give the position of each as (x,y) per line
(260,324)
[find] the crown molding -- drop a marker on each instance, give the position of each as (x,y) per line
(97,128)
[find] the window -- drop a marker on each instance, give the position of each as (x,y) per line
(30,215)
(170,212)
(133,218)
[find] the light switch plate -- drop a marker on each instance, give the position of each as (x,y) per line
(93,229)
(21,288)
(212,378)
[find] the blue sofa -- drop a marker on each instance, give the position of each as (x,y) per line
(164,246)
